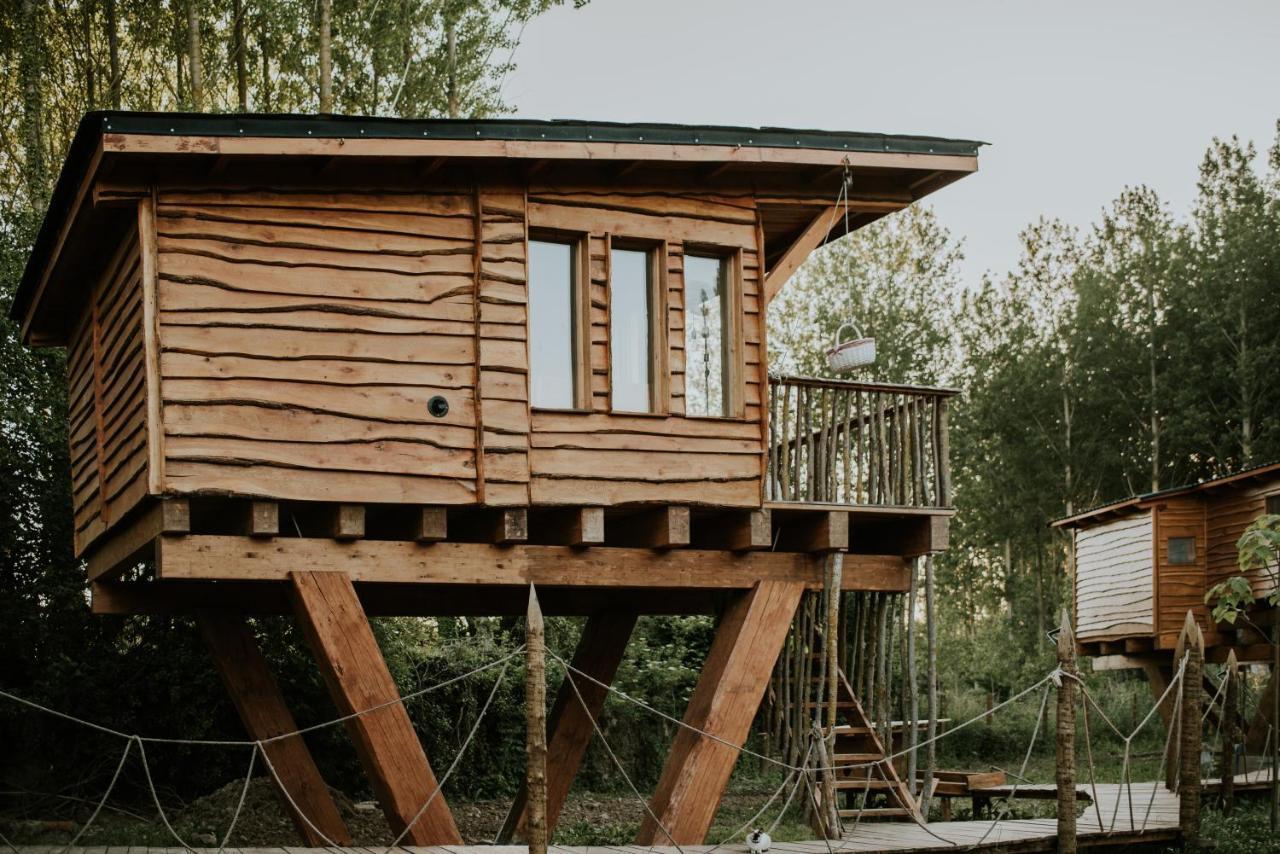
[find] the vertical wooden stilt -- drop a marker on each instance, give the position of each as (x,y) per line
(1190,736)
(724,703)
(1230,718)
(263,712)
(347,652)
(535,701)
(1066,760)
(569,725)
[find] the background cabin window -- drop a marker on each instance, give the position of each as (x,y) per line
(631,330)
(707,342)
(554,379)
(1273,505)
(1182,551)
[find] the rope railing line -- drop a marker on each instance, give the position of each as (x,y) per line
(457,759)
(1022,770)
(586,710)
(206,742)
(749,823)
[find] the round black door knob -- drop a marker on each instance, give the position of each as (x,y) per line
(438,407)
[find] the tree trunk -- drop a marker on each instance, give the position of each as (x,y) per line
(931,751)
(913,699)
(90,82)
(195,68)
(264,48)
(326,58)
(113,55)
(1230,719)
(535,699)
(30,70)
(451,80)
(1155,411)
(1066,721)
(238,46)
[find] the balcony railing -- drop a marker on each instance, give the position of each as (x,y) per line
(871,444)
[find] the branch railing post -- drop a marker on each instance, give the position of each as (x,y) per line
(1189,737)
(1230,718)
(535,698)
(1066,737)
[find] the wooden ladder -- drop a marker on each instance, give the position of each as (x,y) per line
(882,792)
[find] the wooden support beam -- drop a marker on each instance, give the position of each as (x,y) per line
(665,527)
(816,532)
(736,530)
(573,526)
(810,239)
(119,550)
(262,519)
(265,715)
(570,725)
(352,665)
(733,680)
(509,526)
(346,522)
(431,525)
(209,557)
(535,698)
(1136,645)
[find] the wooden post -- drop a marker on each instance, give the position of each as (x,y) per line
(1066,764)
(834,580)
(535,701)
(1189,737)
(931,677)
(569,725)
(1230,718)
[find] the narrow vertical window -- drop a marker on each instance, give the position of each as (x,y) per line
(553,332)
(631,330)
(708,312)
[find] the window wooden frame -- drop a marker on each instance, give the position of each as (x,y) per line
(579,323)
(735,404)
(1271,504)
(659,321)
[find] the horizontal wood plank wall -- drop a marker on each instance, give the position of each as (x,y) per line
(504,353)
(302,335)
(602,458)
(1180,588)
(1114,582)
(1227,514)
(107,399)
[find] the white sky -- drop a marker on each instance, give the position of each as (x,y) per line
(1077,97)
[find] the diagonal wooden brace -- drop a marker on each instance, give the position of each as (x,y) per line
(347,652)
(600,650)
(262,709)
(724,703)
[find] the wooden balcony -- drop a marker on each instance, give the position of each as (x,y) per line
(864,445)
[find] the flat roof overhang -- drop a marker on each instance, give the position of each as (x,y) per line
(802,168)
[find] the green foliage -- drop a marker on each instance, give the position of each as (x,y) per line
(1259,550)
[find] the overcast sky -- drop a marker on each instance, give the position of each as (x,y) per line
(1077,97)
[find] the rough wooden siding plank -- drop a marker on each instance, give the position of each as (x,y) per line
(1114,578)
(302,335)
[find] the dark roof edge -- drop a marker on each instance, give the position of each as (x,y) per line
(1258,470)
(94,124)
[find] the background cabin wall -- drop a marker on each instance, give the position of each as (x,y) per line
(1114,580)
(302,334)
(1227,514)
(106,375)
(599,457)
(1180,588)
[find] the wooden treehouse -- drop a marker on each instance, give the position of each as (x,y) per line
(1142,563)
(339,367)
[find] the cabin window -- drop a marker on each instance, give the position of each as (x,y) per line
(709,311)
(633,348)
(1273,505)
(1182,551)
(556,365)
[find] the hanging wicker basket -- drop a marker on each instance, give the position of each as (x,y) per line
(855,353)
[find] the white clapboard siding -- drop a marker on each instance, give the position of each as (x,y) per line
(1113,579)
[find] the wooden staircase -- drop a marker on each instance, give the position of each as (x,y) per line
(874,791)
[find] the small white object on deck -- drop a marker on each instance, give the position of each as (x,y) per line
(758,841)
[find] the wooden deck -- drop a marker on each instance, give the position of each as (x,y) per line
(1013,835)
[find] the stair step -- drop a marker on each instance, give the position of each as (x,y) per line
(840,704)
(865,784)
(876,812)
(837,758)
(849,729)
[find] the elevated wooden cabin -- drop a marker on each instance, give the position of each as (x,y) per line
(1142,563)
(337,365)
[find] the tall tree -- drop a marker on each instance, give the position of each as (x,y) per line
(195,64)
(326,56)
